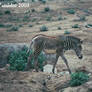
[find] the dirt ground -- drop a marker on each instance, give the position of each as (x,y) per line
(58,8)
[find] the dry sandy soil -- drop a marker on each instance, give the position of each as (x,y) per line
(25,33)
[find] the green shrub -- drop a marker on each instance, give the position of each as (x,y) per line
(20,25)
(14,2)
(60,18)
(2,25)
(43,1)
(88,26)
(26,18)
(7,12)
(5,26)
(71,11)
(67,32)
(22,1)
(46,9)
(48,18)
(33,0)
(82,18)
(59,28)
(78,78)
(14,28)
(76,26)
(18,60)
(30,25)
(44,28)
(33,10)
(34,19)
(1,13)
(27,12)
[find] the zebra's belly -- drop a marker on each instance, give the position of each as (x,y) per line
(52,51)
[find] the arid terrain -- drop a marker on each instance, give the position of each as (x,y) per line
(29,21)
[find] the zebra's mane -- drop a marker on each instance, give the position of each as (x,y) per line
(44,36)
(75,39)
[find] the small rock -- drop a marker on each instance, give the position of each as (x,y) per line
(48,68)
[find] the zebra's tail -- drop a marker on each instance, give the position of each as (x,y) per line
(30,47)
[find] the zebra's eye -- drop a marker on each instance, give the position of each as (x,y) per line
(80,46)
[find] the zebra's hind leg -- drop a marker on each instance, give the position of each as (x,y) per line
(66,62)
(28,63)
(53,70)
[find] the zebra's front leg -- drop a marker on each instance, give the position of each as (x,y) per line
(53,70)
(66,62)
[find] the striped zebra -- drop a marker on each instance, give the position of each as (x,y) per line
(59,43)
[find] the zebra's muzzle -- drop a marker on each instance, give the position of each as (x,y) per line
(80,57)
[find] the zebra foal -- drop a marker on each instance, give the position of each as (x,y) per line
(59,43)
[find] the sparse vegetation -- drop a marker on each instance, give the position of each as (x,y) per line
(76,26)
(33,0)
(48,18)
(13,28)
(7,12)
(78,78)
(67,32)
(26,18)
(20,25)
(18,60)
(33,10)
(71,11)
(60,18)
(59,28)
(88,26)
(27,12)
(1,13)
(43,28)
(82,18)
(46,9)
(33,20)
(5,25)
(2,25)
(43,1)
(30,25)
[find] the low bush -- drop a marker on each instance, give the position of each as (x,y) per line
(46,9)
(71,11)
(1,13)
(34,19)
(60,18)
(82,18)
(2,25)
(20,25)
(18,60)
(48,18)
(13,28)
(59,28)
(26,18)
(33,0)
(76,26)
(30,25)
(33,10)
(5,25)
(67,32)
(78,78)
(44,1)
(88,26)
(44,28)
(7,12)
